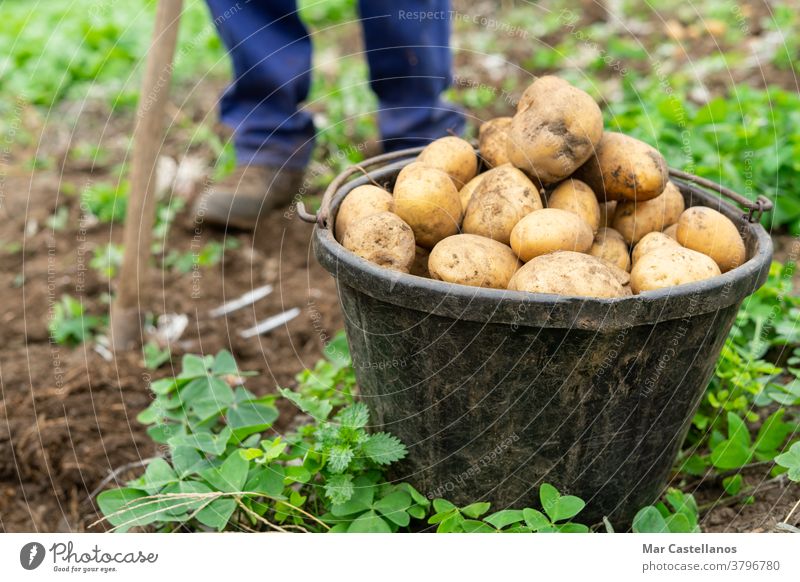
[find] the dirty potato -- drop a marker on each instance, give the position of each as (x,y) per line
(548,230)
(427,200)
(710,232)
(383,239)
(610,246)
(468,190)
(671,231)
(555,130)
(634,219)
(493,140)
(650,242)
(607,210)
(499,202)
(360,203)
(669,267)
(575,196)
(473,260)
(568,273)
(453,156)
(624,168)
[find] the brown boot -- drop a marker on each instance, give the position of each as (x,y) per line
(249,192)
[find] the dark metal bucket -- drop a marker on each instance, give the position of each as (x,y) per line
(495,392)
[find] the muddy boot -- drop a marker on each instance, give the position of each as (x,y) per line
(251,191)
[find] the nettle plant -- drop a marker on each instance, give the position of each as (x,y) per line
(228,469)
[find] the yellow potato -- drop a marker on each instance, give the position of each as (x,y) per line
(635,219)
(709,232)
(420,265)
(671,231)
(452,155)
(650,242)
(568,273)
(555,130)
(468,190)
(610,246)
(624,168)
(383,239)
(539,89)
(473,260)
(575,196)
(493,140)
(607,210)
(669,267)
(548,230)
(360,203)
(427,200)
(500,201)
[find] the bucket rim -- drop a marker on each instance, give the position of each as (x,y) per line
(520,308)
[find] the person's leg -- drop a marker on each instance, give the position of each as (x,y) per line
(270,51)
(408,50)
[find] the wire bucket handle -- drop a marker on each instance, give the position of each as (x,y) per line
(755,209)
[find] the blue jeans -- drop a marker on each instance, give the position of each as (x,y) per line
(409,63)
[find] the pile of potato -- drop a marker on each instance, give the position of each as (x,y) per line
(562,207)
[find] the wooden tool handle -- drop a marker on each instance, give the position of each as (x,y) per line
(127,312)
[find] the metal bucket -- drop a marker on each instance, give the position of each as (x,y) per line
(494,392)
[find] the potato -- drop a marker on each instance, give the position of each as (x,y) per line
(541,87)
(548,230)
(500,201)
(607,210)
(624,168)
(610,246)
(473,260)
(567,273)
(650,242)
(671,231)
(575,196)
(420,265)
(360,203)
(709,232)
(555,130)
(635,219)
(452,155)
(383,239)
(671,266)
(427,200)
(468,190)
(493,140)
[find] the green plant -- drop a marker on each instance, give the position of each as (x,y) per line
(68,323)
(209,255)
(105,201)
(558,510)
(166,212)
(678,515)
(107,259)
(154,355)
(790,460)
